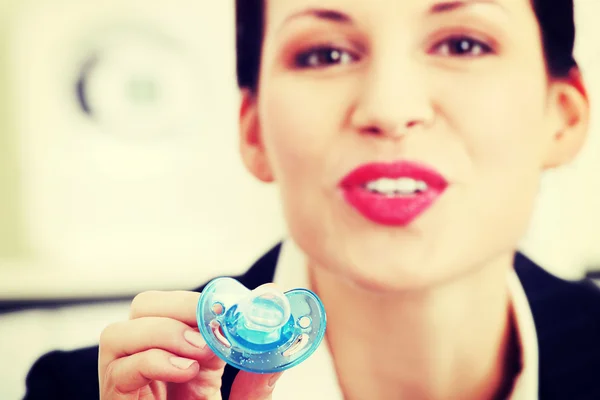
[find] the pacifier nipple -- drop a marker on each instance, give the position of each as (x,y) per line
(259,318)
(265,309)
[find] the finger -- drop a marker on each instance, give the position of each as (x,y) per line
(176,305)
(249,386)
(125,376)
(206,385)
(126,338)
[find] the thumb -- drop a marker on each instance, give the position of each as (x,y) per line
(249,386)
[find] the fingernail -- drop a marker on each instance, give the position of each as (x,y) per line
(195,339)
(181,363)
(274,379)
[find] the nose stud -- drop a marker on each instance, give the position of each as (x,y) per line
(262,331)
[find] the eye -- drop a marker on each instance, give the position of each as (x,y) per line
(462,46)
(322,57)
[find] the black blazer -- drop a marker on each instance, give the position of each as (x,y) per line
(566,315)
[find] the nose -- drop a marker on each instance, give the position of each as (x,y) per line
(393,100)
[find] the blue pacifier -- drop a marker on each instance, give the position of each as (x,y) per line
(261,331)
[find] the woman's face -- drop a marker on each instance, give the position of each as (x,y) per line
(441,105)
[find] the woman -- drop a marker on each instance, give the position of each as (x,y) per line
(407,139)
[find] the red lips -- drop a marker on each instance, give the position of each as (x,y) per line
(392,209)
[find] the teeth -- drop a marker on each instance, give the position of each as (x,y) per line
(402,186)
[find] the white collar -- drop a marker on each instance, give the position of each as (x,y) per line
(316,378)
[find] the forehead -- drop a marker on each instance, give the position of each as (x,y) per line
(280,12)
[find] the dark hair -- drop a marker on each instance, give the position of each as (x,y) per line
(555,18)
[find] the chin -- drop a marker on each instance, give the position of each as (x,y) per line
(379,286)
(387,278)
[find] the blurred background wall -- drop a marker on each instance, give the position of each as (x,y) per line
(119,169)
(120,154)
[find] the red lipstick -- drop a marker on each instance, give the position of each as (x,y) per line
(392,194)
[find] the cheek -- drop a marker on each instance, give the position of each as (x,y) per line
(500,124)
(500,120)
(300,125)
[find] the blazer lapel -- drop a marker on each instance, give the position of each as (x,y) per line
(567,320)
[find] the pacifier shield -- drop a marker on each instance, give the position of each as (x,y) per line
(263,330)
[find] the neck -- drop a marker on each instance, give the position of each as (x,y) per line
(452,341)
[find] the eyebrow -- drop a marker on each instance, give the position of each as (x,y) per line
(440,7)
(453,5)
(321,13)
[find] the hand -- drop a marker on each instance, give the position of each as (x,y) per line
(159,354)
